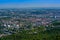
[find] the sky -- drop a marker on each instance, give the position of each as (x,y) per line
(28,3)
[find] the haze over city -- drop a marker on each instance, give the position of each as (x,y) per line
(29,3)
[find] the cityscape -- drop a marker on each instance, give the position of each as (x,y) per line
(29,19)
(13,21)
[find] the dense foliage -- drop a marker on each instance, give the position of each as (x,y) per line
(38,33)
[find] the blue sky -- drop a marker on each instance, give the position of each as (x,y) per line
(29,3)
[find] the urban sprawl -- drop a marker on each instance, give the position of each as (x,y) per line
(15,20)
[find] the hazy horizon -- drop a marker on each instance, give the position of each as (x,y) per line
(29,3)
